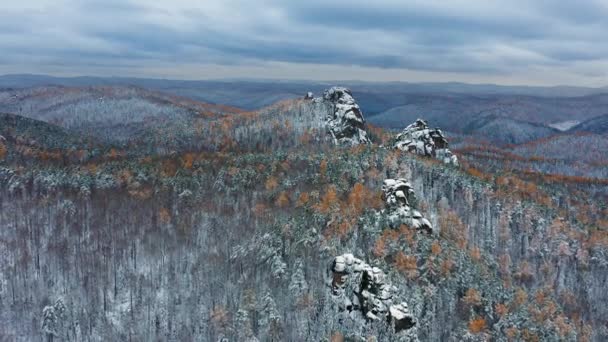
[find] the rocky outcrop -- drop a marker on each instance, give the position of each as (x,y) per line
(420,139)
(344,120)
(396,194)
(362,289)
(309,96)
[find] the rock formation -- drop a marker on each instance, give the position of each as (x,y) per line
(309,96)
(420,139)
(345,120)
(396,194)
(361,288)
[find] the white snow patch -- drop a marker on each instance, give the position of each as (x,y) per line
(564,125)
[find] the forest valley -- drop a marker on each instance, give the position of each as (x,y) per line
(187,221)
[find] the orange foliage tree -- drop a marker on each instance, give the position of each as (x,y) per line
(477,325)
(323,167)
(303,199)
(360,198)
(283,200)
(3,151)
(472,297)
(188,161)
(501,309)
(271,183)
(446,267)
(164,216)
(452,228)
(435,248)
(406,264)
(337,337)
(475,253)
(328,201)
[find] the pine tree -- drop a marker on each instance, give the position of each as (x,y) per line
(278,267)
(269,310)
(271,319)
(298,285)
(243,326)
(49,322)
(52,320)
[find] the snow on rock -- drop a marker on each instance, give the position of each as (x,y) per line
(345,119)
(309,96)
(396,194)
(420,139)
(362,289)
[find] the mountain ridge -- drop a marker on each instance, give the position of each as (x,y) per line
(36,79)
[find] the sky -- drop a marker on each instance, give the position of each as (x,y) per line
(532,42)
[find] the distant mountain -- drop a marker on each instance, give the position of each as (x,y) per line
(597,125)
(299,86)
(115,113)
(508,131)
(457,111)
(373,97)
(587,148)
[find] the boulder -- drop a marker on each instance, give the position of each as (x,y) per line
(396,192)
(418,138)
(401,317)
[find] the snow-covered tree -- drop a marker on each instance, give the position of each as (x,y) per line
(278,266)
(243,326)
(270,318)
(52,319)
(298,285)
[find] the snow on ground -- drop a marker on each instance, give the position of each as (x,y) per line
(564,125)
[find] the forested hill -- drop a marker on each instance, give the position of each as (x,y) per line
(296,222)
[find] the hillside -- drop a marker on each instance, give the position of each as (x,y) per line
(115,114)
(598,125)
(299,221)
(503,130)
(37,133)
(33,142)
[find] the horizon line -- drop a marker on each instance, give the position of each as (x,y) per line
(290,80)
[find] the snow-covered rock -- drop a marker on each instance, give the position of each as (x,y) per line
(361,288)
(309,96)
(345,120)
(420,139)
(396,194)
(402,318)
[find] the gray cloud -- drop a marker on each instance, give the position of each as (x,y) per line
(540,42)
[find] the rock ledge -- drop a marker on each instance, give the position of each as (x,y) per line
(420,139)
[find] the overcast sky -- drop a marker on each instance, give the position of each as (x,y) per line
(534,42)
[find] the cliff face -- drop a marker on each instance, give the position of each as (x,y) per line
(396,193)
(364,290)
(344,119)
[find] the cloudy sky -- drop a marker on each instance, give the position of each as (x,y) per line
(534,42)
